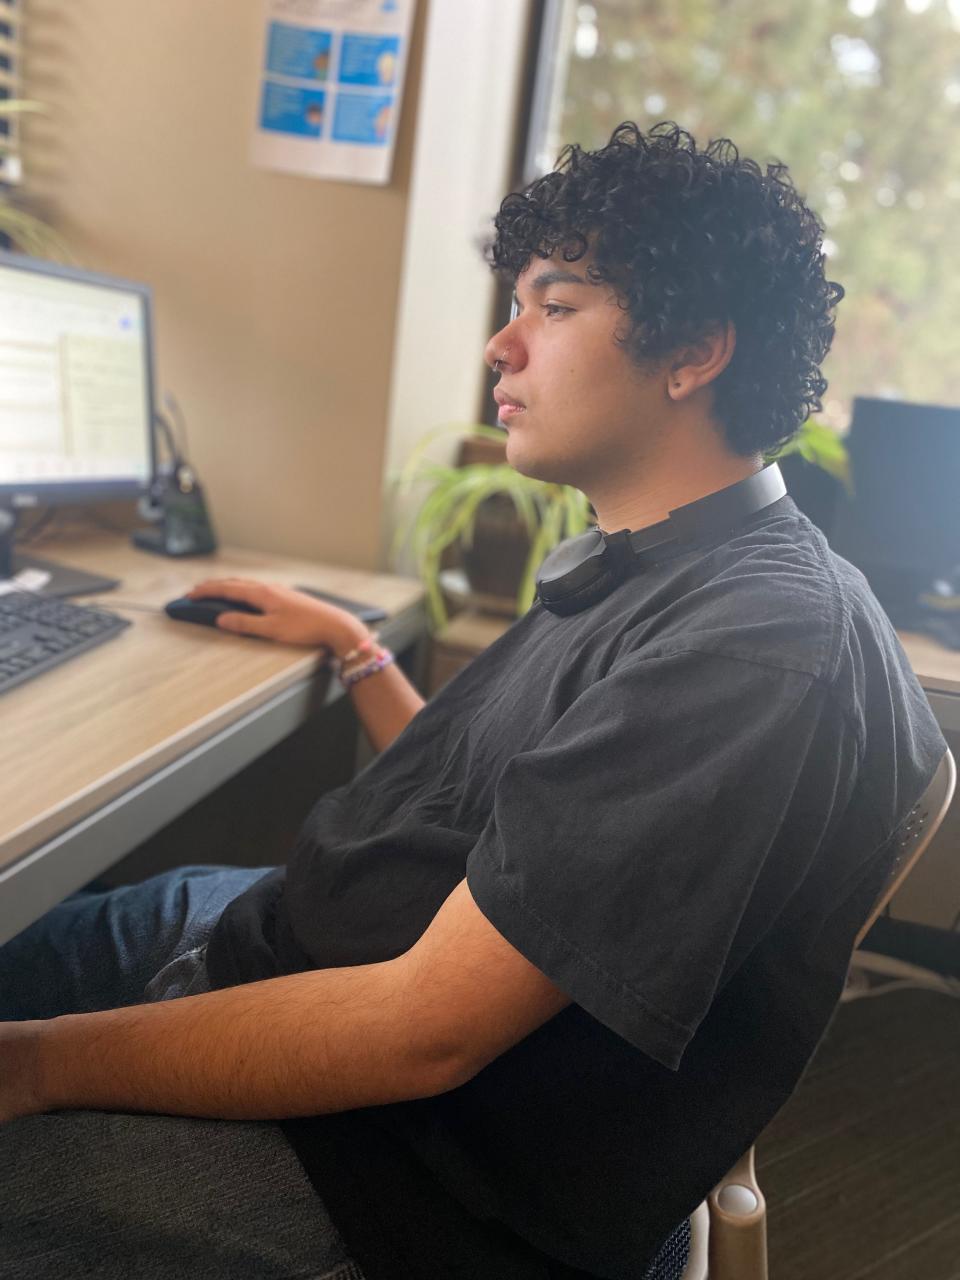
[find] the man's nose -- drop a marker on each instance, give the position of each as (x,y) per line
(505,349)
(494,349)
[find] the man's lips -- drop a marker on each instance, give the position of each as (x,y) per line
(510,407)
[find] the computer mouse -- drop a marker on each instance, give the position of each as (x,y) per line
(206,609)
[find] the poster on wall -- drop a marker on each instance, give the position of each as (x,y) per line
(331,81)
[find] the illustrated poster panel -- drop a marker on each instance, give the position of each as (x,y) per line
(331,84)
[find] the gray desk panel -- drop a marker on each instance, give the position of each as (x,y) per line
(946,707)
(46,875)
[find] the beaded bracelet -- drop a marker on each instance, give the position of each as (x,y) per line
(382,658)
(364,647)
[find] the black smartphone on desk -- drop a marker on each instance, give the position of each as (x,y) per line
(365,612)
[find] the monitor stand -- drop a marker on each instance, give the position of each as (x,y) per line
(61,579)
(64,579)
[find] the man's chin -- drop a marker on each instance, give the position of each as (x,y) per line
(535,468)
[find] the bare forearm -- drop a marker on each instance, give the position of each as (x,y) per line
(386,703)
(306,1044)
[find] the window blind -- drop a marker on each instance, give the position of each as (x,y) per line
(11,21)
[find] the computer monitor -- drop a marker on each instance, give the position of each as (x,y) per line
(76,385)
(902,525)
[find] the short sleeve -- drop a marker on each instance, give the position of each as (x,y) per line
(657,830)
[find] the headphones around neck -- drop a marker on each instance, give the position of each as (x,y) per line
(583,570)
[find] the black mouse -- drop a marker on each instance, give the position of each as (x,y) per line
(206,609)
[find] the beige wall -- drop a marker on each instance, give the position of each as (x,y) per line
(275,295)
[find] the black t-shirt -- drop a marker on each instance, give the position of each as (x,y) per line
(678,805)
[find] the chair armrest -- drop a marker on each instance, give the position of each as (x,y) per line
(738,1225)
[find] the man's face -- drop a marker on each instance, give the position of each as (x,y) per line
(587,410)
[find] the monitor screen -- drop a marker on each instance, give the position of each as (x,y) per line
(76,394)
(902,524)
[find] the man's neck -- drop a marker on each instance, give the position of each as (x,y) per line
(666,486)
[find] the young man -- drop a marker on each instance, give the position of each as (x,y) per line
(532,981)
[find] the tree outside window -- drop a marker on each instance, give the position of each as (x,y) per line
(860,99)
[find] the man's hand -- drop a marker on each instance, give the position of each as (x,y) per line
(385,705)
(287,616)
(19,1076)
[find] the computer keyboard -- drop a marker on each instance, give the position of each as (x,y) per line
(39,632)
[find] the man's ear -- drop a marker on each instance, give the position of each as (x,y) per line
(694,367)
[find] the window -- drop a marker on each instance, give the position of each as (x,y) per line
(861,99)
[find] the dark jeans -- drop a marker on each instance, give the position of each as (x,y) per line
(98,1194)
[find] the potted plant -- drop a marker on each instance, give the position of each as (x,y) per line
(816,469)
(462,505)
(526,517)
(819,445)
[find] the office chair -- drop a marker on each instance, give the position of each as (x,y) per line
(866,965)
(729,1230)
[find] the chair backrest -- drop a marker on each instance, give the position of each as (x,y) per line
(737,1230)
(915,833)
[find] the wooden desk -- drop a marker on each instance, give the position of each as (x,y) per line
(100,753)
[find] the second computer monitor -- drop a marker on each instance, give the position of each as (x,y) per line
(902,524)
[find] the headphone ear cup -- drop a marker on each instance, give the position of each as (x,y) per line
(585,595)
(581,571)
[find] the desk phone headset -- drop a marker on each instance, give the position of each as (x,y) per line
(176,497)
(583,570)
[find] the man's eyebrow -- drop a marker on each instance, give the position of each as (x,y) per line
(547,279)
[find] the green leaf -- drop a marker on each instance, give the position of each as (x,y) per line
(21,106)
(821,446)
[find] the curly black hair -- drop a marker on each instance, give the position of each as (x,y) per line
(691,239)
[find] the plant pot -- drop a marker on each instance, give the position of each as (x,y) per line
(494,565)
(496,561)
